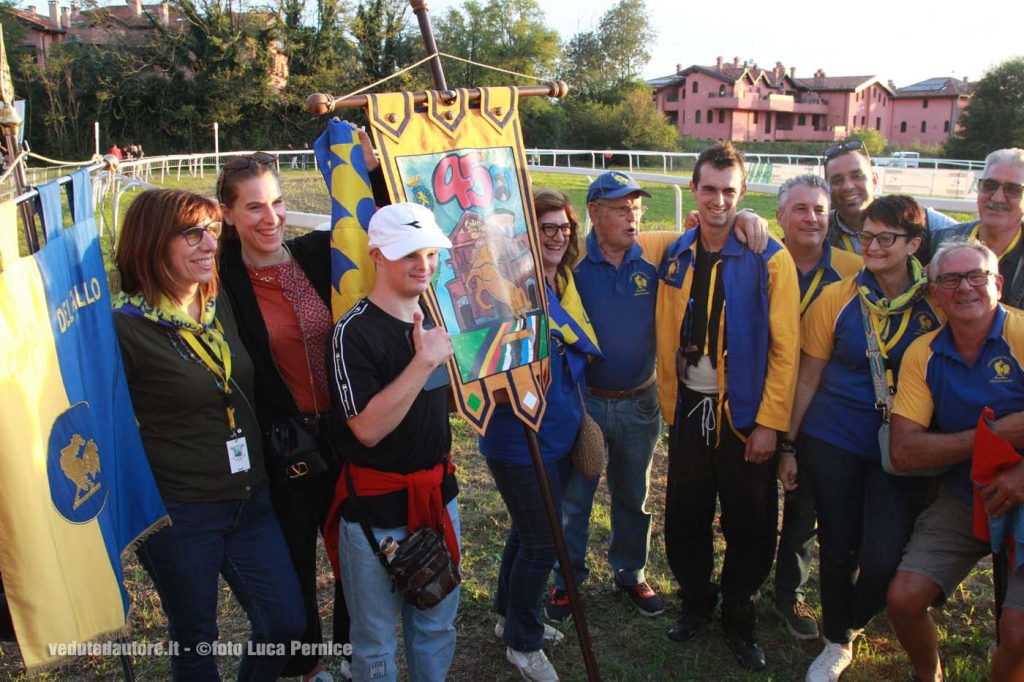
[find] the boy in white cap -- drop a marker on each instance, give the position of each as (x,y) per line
(388,388)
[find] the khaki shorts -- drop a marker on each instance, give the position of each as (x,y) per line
(944,550)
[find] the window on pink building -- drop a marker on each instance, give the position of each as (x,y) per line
(878,123)
(721,90)
(903,126)
(862,119)
(924,126)
(695,86)
(801,120)
(945,126)
(696,117)
(755,118)
(721,115)
(710,119)
(924,104)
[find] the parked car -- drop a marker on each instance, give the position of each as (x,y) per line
(900,160)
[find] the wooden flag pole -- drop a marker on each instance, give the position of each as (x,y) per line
(554,518)
(555,521)
(422,12)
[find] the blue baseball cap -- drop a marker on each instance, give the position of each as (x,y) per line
(612,185)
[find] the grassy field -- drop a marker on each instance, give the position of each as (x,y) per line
(628,646)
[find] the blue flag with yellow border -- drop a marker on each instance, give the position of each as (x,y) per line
(76,491)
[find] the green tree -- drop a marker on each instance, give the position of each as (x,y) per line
(385,43)
(872,139)
(604,64)
(995,117)
(511,35)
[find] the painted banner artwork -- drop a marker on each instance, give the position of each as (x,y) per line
(466,163)
(76,491)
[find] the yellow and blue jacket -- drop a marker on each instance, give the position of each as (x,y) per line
(762,318)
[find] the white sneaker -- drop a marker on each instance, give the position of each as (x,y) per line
(551,635)
(532,665)
(830,663)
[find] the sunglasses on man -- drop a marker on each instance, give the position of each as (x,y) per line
(844,147)
(1012,190)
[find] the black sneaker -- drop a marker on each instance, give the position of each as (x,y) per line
(747,651)
(557,608)
(646,600)
(688,625)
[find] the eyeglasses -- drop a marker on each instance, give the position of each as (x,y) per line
(843,147)
(256,160)
(551,229)
(951,280)
(626,211)
(885,239)
(194,235)
(1012,190)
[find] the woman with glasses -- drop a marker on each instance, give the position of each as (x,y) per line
(865,515)
(281,291)
(192,385)
(529,547)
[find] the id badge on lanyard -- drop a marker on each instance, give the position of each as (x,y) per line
(237,448)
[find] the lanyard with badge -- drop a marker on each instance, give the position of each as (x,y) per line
(238,450)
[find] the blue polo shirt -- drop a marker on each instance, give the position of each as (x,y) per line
(938,389)
(833,266)
(620,302)
(842,411)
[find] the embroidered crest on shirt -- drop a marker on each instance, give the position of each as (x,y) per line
(999,370)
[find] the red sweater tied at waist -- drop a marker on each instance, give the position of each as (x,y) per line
(425,503)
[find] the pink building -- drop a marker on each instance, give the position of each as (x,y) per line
(741,102)
(125,26)
(927,112)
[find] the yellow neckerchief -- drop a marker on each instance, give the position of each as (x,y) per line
(205,337)
(809,294)
(883,310)
(1009,249)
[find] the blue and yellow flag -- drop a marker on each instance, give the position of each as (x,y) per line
(340,157)
(571,324)
(76,491)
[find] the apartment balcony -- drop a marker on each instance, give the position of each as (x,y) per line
(807,134)
(779,103)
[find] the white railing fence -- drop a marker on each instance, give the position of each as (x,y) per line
(765,173)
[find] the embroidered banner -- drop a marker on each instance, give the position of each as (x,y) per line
(76,491)
(466,163)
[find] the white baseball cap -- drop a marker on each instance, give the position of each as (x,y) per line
(400,229)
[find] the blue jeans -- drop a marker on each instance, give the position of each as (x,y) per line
(865,518)
(241,540)
(529,548)
(796,541)
(375,609)
(631,427)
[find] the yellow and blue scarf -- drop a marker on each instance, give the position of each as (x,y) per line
(570,324)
